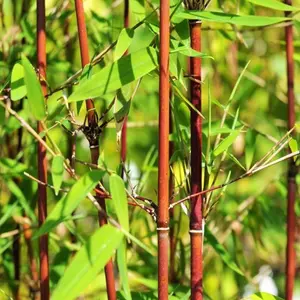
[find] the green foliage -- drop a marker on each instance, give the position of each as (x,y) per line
(243,116)
(64,208)
(126,70)
(86,264)
(274,4)
(57,172)
(34,91)
(251,21)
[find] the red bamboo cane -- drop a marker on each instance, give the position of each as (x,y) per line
(196,217)
(292,170)
(42,160)
(94,145)
(163,164)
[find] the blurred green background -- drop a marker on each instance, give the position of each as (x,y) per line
(250,216)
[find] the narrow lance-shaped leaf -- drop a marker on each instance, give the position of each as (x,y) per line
(122,266)
(88,262)
(18,88)
(111,78)
(34,90)
(274,4)
(225,256)
(227,142)
(119,198)
(294,147)
(123,42)
(15,190)
(57,171)
(220,17)
(68,204)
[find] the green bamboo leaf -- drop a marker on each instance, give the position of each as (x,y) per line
(274,4)
(220,17)
(227,142)
(88,262)
(123,42)
(262,296)
(186,50)
(294,147)
(18,88)
(118,194)
(57,171)
(64,208)
(11,166)
(34,90)
(122,266)
(17,192)
(225,256)
(126,70)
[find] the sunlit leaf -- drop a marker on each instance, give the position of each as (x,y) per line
(119,198)
(294,147)
(18,88)
(88,262)
(57,171)
(34,90)
(64,208)
(274,4)
(123,42)
(126,70)
(227,142)
(220,17)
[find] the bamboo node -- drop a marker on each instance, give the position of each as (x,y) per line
(162,228)
(195,231)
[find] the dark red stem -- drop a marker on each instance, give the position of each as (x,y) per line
(42,160)
(163,164)
(94,148)
(292,170)
(196,217)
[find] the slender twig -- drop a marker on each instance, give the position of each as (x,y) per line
(247,174)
